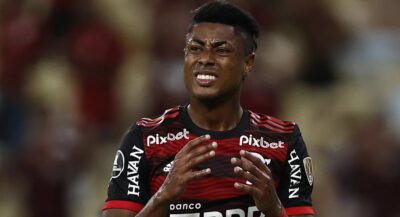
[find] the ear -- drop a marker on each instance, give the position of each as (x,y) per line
(248,64)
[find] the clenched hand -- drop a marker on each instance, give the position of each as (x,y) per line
(182,172)
(261,186)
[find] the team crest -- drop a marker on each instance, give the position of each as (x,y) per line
(308,167)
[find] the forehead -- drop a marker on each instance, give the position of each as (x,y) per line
(213,31)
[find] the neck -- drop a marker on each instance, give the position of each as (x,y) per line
(215,116)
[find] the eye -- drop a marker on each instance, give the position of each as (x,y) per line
(223,51)
(193,49)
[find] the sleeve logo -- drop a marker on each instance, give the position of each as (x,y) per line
(133,171)
(308,167)
(118,165)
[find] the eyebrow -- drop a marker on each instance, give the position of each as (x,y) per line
(216,43)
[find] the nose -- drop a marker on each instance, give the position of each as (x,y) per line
(207,57)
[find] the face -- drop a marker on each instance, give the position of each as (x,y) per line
(215,61)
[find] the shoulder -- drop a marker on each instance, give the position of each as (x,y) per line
(144,126)
(158,120)
(273,124)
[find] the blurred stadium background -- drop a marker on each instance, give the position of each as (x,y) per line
(75,74)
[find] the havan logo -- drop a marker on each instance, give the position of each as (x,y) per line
(295,175)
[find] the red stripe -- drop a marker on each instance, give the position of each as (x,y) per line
(271,127)
(276,120)
(123,204)
(168,111)
(155,120)
(282,122)
(274,124)
(206,188)
(300,210)
(273,119)
(159,120)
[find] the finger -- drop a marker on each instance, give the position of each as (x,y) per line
(247,165)
(245,188)
(201,149)
(199,174)
(255,161)
(250,178)
(248,171)
(251,157)
(197,155)
(191,162)
(193,143)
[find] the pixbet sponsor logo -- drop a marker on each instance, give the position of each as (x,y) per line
(158,139)
(260,142)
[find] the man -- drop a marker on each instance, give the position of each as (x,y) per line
(211,157)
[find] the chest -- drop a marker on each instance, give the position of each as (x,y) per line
(161,149)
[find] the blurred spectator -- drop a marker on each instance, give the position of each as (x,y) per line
(366,172)
(96,53)
(50,165)
(20,45)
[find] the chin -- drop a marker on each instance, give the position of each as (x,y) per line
(210,98)
(204,96)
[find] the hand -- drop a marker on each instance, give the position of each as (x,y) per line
(193,153)
(261,188)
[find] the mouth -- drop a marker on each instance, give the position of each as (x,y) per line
(205,78)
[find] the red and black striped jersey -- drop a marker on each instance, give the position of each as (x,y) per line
(148,149)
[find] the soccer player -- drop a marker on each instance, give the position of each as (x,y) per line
(211,157)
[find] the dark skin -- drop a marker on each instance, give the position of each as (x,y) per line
(216,65)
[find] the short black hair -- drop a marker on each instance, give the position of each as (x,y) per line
(223,12)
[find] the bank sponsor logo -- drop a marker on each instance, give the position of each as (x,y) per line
(118,166)
(160,139)
(308,167)
(259,142)
(237,212)
(295,175)
(133,171)
(185,206)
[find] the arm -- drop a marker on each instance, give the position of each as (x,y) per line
(295,187)
(193,153)
(262,187)
(118,213)
(302,215)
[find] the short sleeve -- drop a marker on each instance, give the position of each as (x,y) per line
(128,187)
(297,180)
